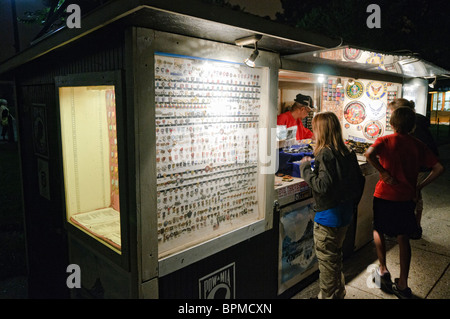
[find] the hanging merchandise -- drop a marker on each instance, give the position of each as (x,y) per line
(355,112)
(354,89)
(366,114)
(376,90)
(333,97)
(351,54)
(376,110)
(373,130)
(392,95)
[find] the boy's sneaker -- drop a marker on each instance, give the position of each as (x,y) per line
(383,281)
(417,234)
(401,293)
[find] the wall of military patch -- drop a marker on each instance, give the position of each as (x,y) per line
(207,119)
(361,105)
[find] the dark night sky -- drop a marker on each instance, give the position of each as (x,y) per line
(26,32)
(6,35)
(259,7)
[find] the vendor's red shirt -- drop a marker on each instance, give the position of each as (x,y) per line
(288,120)
(401,155)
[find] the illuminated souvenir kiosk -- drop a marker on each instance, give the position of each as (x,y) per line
(157,151)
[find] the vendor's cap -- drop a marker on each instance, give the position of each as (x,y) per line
(305,100)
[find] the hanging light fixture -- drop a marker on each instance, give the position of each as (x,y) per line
(250,61)
(431,85)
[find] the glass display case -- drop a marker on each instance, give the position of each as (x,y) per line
(90,161)
(207,115)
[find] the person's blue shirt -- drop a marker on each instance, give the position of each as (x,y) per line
(338,216)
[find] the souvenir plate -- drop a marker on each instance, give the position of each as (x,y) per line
(376,110)
(352,54)
(372,130)
(355,112)
(354,90)
(376,90)
(376,59)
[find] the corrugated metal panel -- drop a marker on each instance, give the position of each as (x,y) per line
(94,53)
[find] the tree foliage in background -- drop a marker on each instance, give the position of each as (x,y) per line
(235,7)
(417,26)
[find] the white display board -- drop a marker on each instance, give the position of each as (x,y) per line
(207,115)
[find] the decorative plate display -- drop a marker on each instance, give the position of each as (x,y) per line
(355,112)
(376,90)
(376,59)
(376,110)
(372,130)
(354,90)
(351,54)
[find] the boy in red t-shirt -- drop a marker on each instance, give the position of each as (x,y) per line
(294,117)
(398,158)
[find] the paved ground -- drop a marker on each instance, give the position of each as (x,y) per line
(429,276)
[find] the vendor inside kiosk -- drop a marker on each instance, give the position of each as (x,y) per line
(293,118)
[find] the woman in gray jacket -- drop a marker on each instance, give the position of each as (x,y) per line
(337,185)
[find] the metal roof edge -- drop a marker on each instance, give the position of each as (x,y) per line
(243,20)
(334,69)
(117,9)
(94,20)
(432,69)
(196,9)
